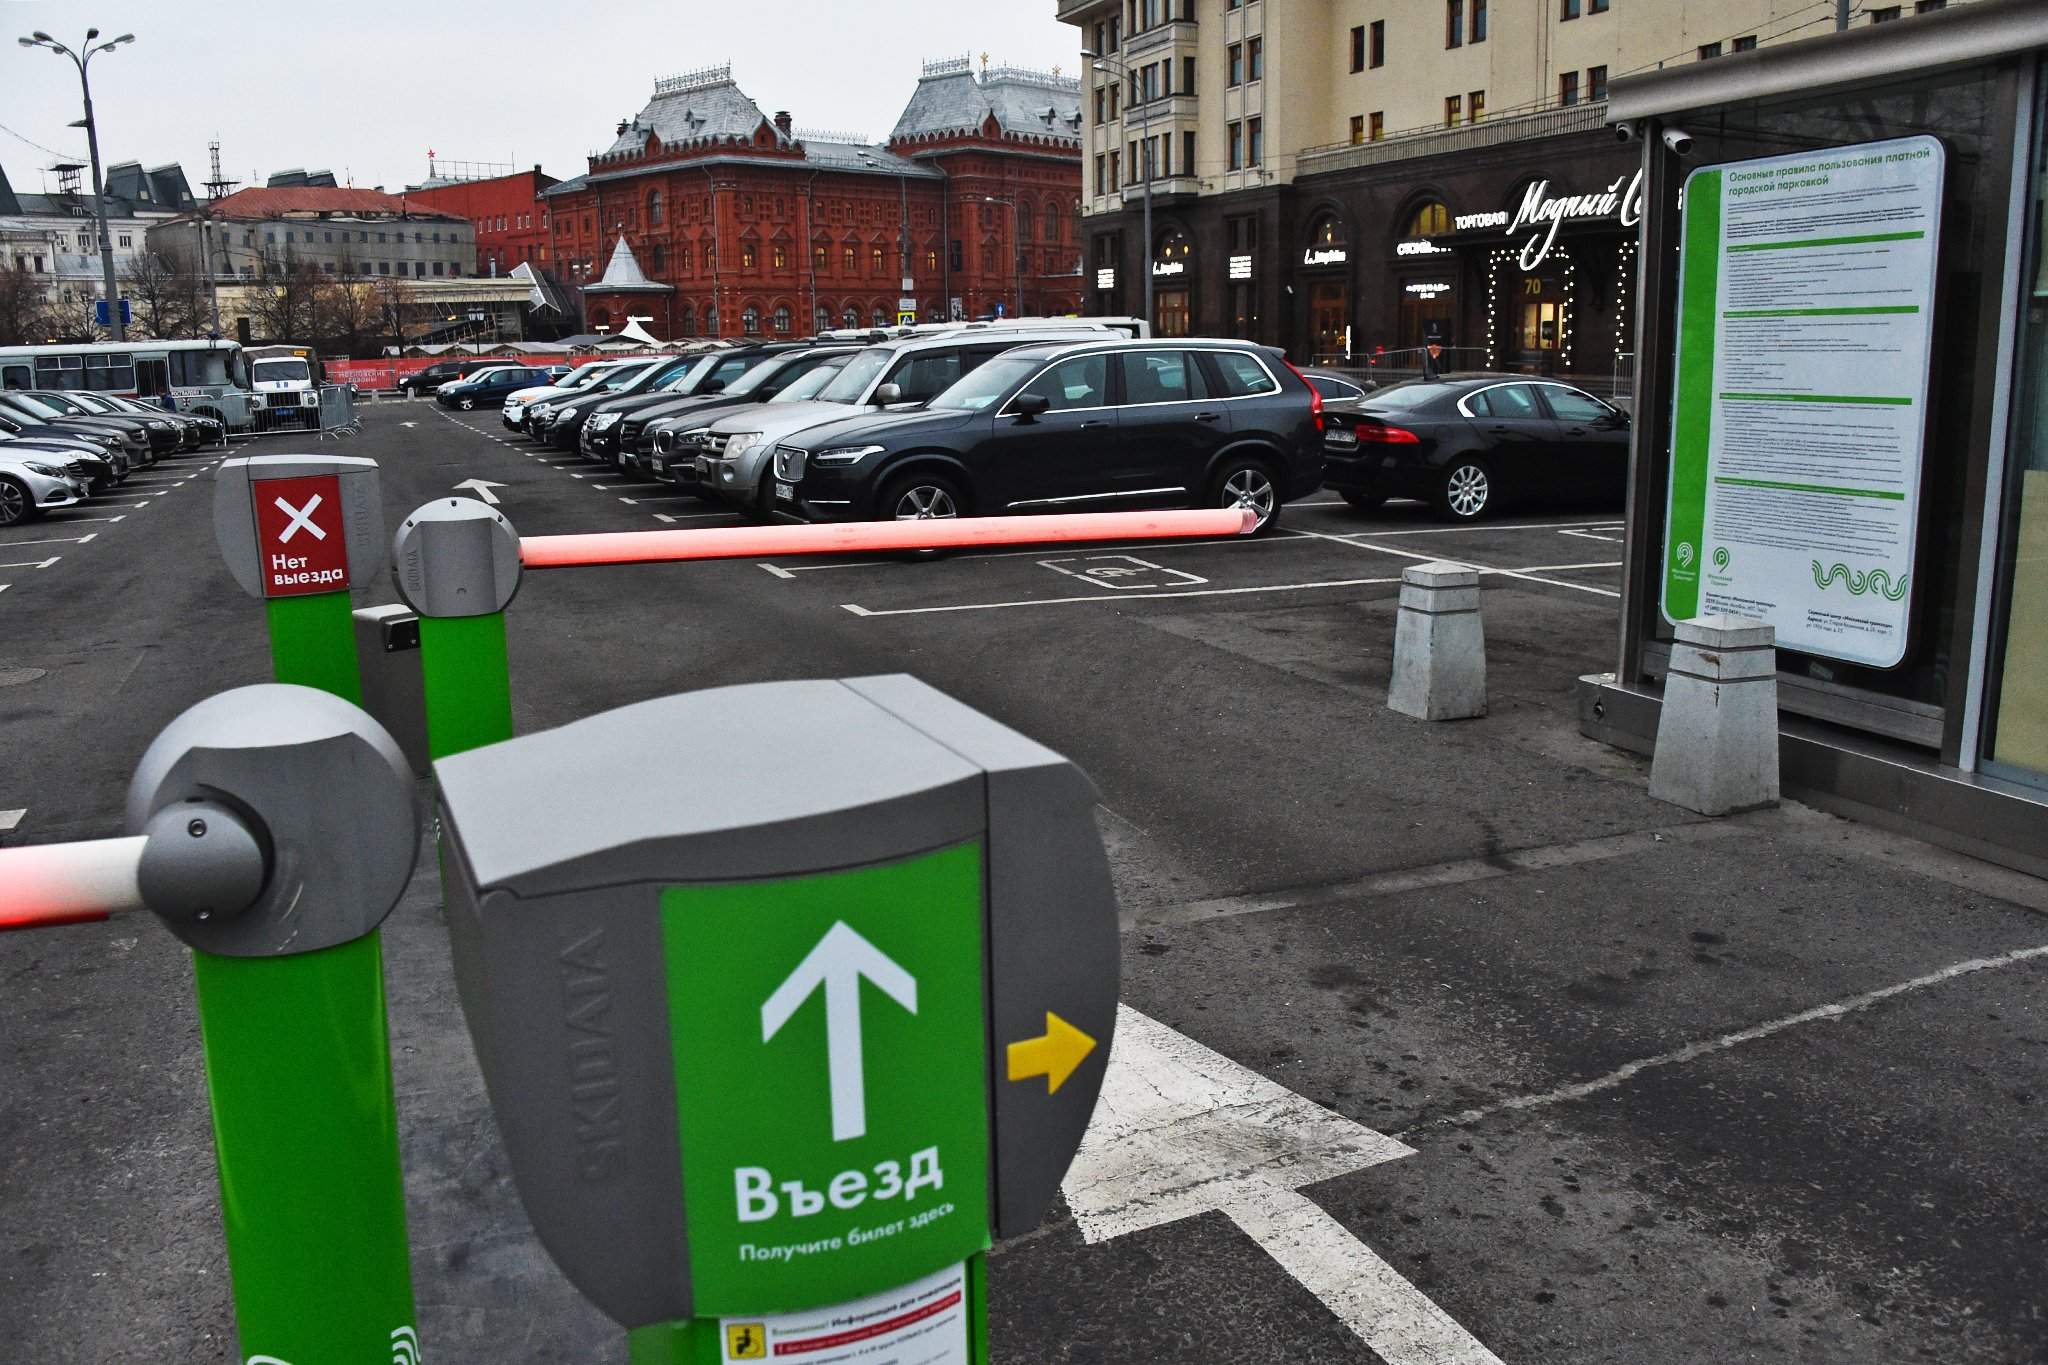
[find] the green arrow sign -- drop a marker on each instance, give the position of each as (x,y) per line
(831,1054)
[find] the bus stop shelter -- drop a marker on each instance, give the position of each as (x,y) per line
(1842,411)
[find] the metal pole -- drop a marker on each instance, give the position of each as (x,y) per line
(1841,15)
(1145,140)
(115,329)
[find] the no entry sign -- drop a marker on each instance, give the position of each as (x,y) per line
(299,535)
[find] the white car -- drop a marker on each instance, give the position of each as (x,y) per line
(35,481)
(285,390)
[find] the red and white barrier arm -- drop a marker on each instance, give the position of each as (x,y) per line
(44,885)
(868,537)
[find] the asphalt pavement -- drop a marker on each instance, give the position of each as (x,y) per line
(1477,1052)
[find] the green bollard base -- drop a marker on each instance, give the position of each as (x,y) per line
(701,1341)
(313,643)
(468,687)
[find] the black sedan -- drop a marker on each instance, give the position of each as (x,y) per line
(1473,444)
(1072,427)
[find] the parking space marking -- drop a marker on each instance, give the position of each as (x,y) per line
(1755,1033)
(701,516)
(859,610)
(54,540)
(73,521)
(1528,575)
(33,563)
(1592,535)
(1278,538)
(1476,526)
(1114,568)
(10,819)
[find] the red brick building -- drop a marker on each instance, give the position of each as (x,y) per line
(510,217)
(761,228)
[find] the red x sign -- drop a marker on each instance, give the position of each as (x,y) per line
(299,535)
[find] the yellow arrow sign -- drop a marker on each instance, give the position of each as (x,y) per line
(1053,1056)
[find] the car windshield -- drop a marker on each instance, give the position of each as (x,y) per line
(618,379)
(582,378)
(760,374)
(32,406)
(280,371)
(860,372)
(64,404)
(1416,394)
(981,388)
(812,383)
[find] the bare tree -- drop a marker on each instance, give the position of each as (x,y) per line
(22,304)
(162,296)
(351,315)
(394,301)
(283,301)
(71,320)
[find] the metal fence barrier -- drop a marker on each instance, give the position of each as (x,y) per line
(331,412)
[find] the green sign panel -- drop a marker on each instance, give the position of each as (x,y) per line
(831,1061)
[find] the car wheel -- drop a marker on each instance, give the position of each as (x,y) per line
(1249,483)
(922,497)
(1468,490)
(1366,502)
(469,405)
(16,506)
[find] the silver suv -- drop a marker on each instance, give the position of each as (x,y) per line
(732,454)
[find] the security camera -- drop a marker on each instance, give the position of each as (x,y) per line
(1679,141)
(1624,132)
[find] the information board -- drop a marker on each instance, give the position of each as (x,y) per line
(1805,321)
(299,535)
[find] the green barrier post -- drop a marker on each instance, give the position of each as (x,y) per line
(298,1054)
(457,564)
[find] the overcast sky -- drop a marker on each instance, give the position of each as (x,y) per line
(365,87)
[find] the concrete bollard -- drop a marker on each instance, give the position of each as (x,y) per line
(1717,739)
(1439,645)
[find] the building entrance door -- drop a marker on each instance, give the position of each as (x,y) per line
(1541,320)
(1329,312)
(1172,312)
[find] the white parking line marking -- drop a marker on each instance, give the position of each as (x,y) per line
(1166,1143)
(33,563)
(858,610)
(68,521)
(9,819)
(702,516)
(1475,526)
(1691,1051)
(5,586)
(1589,535)
(1526,575)
(55,540)
(779,573)
(1278,538)
(629,502)
(1111,568)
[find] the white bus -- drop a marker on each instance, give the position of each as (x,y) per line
(210,378)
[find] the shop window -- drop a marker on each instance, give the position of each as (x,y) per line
(1429,220)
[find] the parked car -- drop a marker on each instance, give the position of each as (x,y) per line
(540,417)
(442,372)
(32,483)
(1472,444)
(156,429)
(571,380)
(893,374)
(1089,426)
(487,388)
(565,419)
(106,445)
(101,472)
(194,432)
(738,378)
(133,442)
(1341,392)
(675,462)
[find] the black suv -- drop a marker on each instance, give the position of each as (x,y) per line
(1089,426)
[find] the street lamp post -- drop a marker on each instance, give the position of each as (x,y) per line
(1144,141)
(92,141)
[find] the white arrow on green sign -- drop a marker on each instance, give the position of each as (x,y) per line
(836,967)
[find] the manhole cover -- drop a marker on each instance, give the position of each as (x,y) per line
(15,677)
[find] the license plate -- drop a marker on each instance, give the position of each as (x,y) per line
(785,492)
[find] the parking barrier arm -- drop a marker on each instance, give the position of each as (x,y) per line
(197,860)
(46,885)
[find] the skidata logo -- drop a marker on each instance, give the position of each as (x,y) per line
(405,1346)
(1685,554)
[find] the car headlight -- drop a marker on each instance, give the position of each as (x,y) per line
(741,442)
(604,421)
(845,455)
(45,470)
(542,409)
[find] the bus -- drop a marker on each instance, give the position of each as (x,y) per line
(210,378)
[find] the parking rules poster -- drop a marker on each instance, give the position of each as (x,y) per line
(923,1323)
(1805,325)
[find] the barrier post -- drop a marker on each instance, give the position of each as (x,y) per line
(457,565)
(781,1039)
(298,1054)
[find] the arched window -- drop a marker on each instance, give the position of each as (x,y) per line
(782,319)
(823,322)
(1328,230)
(1052,222)
(711,320)
(781,258)
(881,316)
(686,322)
(750,319)
(1174,245)
(851,317)
(1025,214)
(601,318)
(654,208)
(657,260)
(1429,220)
